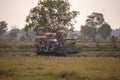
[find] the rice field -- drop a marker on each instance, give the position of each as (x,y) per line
(59,68)
(18,61)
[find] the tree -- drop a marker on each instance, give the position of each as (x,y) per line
(3,27)
(26,36)
(105,31)
(14,33)
(50,16)
(94,20)
(86,32)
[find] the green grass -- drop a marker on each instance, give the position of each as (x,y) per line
(59,68)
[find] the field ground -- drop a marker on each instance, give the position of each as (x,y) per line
(18,61)
(59,68)
(86,49)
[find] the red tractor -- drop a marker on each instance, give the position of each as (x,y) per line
(55,42)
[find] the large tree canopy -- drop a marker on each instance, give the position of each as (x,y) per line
(105,30)
(50,15)
(94,20)
(96,25)
(86,32)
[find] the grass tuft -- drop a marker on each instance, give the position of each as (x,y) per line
(67,75)
(7,72)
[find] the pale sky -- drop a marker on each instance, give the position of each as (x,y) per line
(14,12)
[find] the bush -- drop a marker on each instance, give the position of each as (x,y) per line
(114,41)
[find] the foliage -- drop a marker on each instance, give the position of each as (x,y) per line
(94,20)
(86,32)
(105,30)
(3,27)
(50,15)
(114,41)
(14,33)
(96,27)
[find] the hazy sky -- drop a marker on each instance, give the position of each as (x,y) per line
(14,12)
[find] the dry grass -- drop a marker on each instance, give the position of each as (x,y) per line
(16,46)
(85,48)
(58,68)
